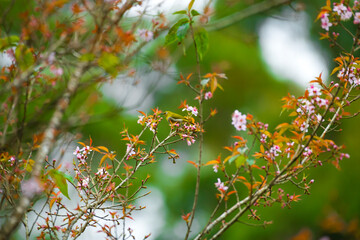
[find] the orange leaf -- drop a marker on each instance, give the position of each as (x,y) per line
(208,75)
(103,159)
(76,8)
(193,163)
(189,76)
(242,178)
(231,192)
(104,149)
(212,162)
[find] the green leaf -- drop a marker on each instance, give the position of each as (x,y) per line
(240,161)
(24,57)
(172,34)
(8,42)
(191,4)
(87,57)
(194,13)
(180,12)
(233,158)
(182,31)
(60,181)
(202,42)
(110,63)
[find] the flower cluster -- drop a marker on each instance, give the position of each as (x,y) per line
(130,150)
(239,121)
(102,173)
(274,151)
(151,121)
(307,108)
(192,110)
(83,183)
(189,139)
(82,154)
(350,74)
(325,22)
(343,11)
(221,186)
(208,95)
(339,12)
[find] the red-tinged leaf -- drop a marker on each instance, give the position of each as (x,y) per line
(52,201)
(262,178)
(90,142)
(297,136)
(142,113)
(172,151)
(193,163)
(242,178)
(103,148)
(186,217)
(238,137)
(248,185)
(208,75)
(189,76)
(255,166)
(212,162)
(213,112)
(127,167)
(183,104)
(258,155)
(231,192)
(322,12)
(324,36)
(229,148)
(82,144)
(128,216)
(287,106)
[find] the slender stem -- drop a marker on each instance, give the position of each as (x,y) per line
(201,134)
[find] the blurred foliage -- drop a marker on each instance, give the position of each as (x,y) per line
(250,87)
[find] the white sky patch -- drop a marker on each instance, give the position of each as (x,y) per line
(5,60)
(137,92)
(288,50)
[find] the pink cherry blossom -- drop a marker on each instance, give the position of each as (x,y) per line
(146,35)
(325,22)
(239,121)
(221,186)
(343,11)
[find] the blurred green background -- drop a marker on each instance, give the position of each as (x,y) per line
(332,209)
